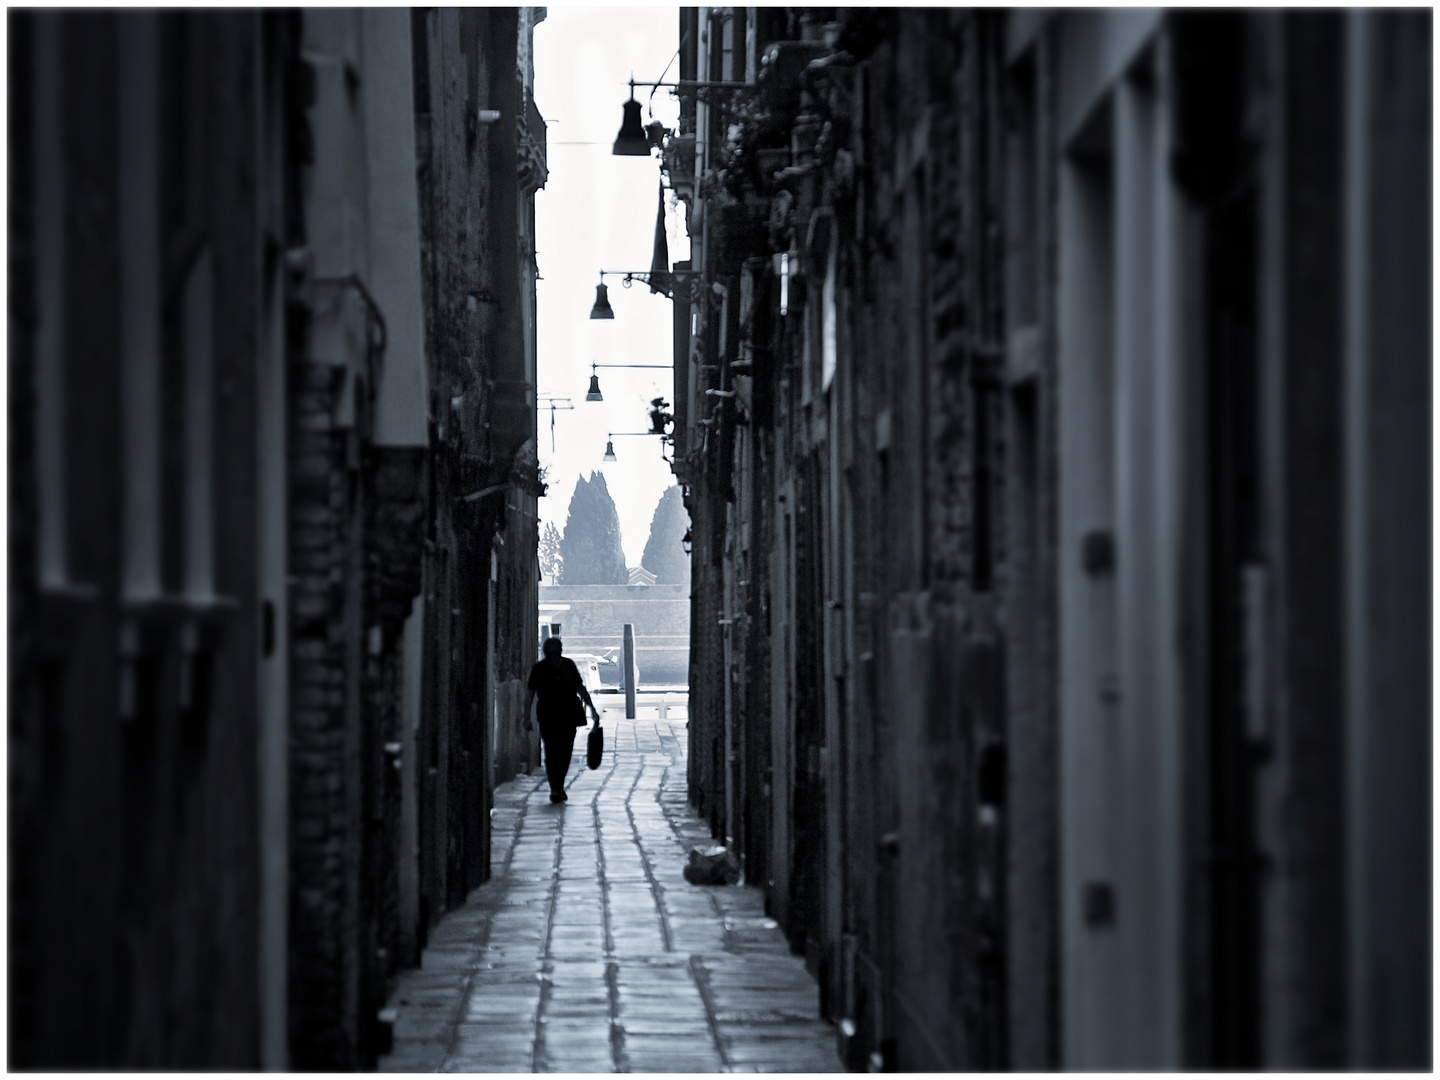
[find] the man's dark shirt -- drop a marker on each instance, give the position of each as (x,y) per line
(555,680)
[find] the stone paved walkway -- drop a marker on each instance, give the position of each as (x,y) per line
(589,952)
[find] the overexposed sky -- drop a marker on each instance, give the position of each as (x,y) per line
(597,210)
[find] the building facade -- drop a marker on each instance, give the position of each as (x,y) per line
(272,516)
(1052,415)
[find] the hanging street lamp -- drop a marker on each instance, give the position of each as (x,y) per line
(631,141)
(658,281)
(602,308)
(637,140)
(593,394)
(610,438)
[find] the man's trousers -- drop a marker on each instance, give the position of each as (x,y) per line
(559,741)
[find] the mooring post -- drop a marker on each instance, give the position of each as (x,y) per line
(627,670)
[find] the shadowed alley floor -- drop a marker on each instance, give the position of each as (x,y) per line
(589,952)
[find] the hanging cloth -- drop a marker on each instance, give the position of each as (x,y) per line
(661,280)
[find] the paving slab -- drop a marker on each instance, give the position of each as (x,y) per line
(587,951)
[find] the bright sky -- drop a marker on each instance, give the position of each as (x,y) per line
(597,210)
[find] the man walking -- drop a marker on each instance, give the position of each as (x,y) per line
(556,681)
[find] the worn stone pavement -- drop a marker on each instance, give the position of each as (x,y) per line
(589,952)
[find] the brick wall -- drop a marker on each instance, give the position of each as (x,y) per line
(936,719)
(322,950)
(864,527)
(356,547)
(218,161)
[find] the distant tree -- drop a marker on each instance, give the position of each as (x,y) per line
(550,561)
(664,557)
(590,552)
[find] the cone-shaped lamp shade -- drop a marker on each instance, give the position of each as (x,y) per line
(609,450)
(602,308)
(631,142)
(594,394)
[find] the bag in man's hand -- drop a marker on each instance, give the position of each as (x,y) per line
(595,746)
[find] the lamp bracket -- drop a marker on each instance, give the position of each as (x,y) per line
(629,277)
(680,85)
(693,88)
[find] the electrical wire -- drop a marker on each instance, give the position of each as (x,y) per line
(650,101)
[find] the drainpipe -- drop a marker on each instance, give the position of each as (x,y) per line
(729,728)
(702,111)
(727,578)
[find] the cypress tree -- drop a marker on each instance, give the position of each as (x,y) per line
(664,557)
(590,551)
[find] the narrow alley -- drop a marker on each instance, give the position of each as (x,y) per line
(994,445)
(588,951)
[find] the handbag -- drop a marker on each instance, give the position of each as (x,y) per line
(595,746)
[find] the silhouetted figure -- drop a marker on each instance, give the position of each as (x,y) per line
(556,681)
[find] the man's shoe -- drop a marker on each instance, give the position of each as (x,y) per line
(563,796)
(557,796)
